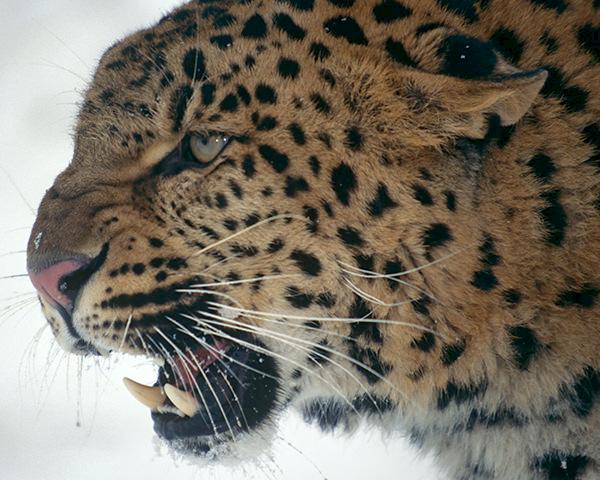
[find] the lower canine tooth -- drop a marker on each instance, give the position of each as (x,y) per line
(184,401)
(152,397)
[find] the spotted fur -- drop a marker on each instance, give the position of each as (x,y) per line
(431,162)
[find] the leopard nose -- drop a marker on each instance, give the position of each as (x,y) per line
(61,282)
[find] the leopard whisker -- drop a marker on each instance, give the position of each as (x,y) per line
(292,341)
(218,355)
(191,377)
(371,298)
(369,274)
(240,282)
(248,229)
(332,319)
(281,357)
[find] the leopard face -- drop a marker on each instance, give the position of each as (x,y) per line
(304,203)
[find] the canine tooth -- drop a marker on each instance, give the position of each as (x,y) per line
(184,401)
(158,361)
(152,397)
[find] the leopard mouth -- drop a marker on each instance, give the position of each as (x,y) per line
(211,395)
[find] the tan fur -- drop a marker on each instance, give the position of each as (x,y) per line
(412,119)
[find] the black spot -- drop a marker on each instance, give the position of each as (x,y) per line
(275,245)
(354,139)
(489,256)
(288,68)
(559,5)
(389,11)
(554,217)
(279,161)
(320,354)
(422,195)
(265,94)
(156,243)
(193,65)
(343,182)
(512,296)
(327,76)
(320,104)
(306,262)
(586,297)
(451,353)
(342,3)
(365,262)
(248,166)
(138,268)
(286,24)
(591,136)
(450,201)
(327,414)
(229,103)
(371,359)
(179,102)
(244,94)
(398,53)
(252,219)
(573,98)
(392,268)
(525,345)
(381,202)
(549,42)
(266,123)
(420,305)
(425,342)
(326,300)
(350,236)
(230,224)
(459,393)
(208,93)
(222,41)
(464,8)
(293,185)
(542,167)
(484,280)
(319,51)
(561,466)
(244,250)
(315,165)
(347,28)
(508,44)
(297,134)
(467,57)
(302,5)
(255,27)
(583,393)
(437,235)
(589,38)
(299,299)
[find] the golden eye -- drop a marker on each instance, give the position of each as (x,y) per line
(207,148)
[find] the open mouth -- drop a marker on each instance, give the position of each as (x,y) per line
(211,394)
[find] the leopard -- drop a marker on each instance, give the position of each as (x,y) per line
(375,211)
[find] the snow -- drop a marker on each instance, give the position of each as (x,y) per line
(61,417)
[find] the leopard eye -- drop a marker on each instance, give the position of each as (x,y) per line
(206,148)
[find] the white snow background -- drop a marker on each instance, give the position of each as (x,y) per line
(48,50)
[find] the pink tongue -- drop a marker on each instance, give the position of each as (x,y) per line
(196,360)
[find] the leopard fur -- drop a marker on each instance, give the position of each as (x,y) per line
(415,184)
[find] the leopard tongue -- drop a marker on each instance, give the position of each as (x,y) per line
(156,397)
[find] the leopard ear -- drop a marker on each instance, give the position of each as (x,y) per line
(460,107)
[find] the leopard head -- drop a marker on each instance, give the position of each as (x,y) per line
(277,201)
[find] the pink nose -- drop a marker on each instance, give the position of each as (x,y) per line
(52,284)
